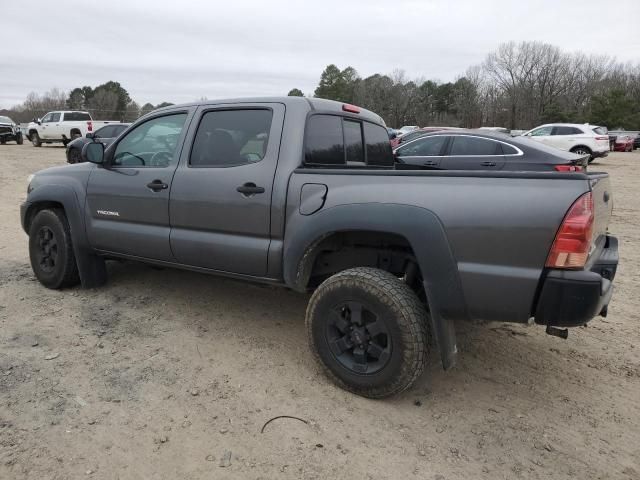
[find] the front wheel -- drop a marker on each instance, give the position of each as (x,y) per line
(369,331)
(35,139)
(51,250)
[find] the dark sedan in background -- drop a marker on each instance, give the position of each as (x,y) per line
(484,150)
(104,135)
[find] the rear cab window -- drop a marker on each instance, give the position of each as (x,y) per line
(334,140)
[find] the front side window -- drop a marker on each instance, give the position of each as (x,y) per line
(423,147)
(150,144)
(471,146)
(541,132)
(227,138)
(46,118)
(55,117)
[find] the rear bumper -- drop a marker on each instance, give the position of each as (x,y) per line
(570,298)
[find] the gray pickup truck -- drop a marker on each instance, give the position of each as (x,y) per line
(303,193)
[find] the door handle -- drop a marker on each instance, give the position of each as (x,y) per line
(249,189)
(429,163)
(157,185)
(488,164)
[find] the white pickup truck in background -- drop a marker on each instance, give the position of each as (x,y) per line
(62,126)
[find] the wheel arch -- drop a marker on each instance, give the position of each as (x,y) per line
(90,267)
(423,233)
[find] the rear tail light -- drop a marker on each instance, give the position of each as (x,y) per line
(603,138)
(90,126)
(571,246)
(568,168)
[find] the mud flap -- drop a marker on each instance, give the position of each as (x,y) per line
(91,268)
(444,333)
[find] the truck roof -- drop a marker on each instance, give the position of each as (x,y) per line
(319,104)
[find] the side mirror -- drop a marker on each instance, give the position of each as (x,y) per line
(93,152)
(38,121)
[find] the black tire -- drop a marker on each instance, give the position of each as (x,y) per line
(3,141)
(75,135)
(74,156)
(35,139)
(19,139)
(378,352)
(51,250)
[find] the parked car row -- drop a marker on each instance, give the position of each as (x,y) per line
(104,135)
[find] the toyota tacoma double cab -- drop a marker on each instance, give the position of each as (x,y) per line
(304,193)
(61,127)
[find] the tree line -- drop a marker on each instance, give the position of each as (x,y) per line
(109,101)
(518,86)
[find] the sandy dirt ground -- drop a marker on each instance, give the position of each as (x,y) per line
(171,374)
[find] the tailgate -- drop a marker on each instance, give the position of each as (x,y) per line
(603,206)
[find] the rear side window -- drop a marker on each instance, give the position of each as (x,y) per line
(335,140)
(76,116)
(227,138)
(471,146)
(601,130)
(508,149)
(377,145)
(566,131)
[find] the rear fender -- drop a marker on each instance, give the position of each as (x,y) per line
(420,227)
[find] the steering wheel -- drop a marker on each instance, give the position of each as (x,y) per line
(160,159)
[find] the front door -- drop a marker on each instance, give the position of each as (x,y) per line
(49,126)
(128,198)
(425,152)
(220,207)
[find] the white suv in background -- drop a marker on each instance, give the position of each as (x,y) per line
(582,139)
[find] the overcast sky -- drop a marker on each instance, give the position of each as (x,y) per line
(182,50)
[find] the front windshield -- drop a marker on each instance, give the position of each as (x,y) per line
(5,120)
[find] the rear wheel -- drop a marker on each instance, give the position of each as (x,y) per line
(369,331)
(35,139)
(19,139)
(51,250)
(581,151)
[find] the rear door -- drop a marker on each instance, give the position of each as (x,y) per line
(425,152)
(128,200)
(220,207)
(565,137)
(468,152)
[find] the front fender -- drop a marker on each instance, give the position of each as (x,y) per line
(90,267)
